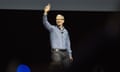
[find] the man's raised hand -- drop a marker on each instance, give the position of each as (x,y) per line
(47,9)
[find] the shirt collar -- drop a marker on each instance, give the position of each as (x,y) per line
(60,29)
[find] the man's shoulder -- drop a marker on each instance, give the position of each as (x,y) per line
(66,30)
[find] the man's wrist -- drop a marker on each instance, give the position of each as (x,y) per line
(45,13)
(70,55)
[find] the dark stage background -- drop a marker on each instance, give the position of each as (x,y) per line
(94,37)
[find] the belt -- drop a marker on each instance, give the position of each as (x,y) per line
(59,50)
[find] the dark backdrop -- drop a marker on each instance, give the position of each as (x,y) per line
(94,37)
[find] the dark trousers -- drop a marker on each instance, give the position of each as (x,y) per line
(60,61)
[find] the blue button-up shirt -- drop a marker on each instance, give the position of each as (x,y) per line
(59,38)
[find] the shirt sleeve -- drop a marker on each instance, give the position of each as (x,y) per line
(46,23)
(69,45)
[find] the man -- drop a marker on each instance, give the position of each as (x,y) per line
(60,42)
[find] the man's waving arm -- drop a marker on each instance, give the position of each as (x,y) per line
(45,20)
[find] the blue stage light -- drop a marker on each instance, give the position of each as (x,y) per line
(23,68)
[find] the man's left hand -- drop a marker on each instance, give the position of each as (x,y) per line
(71,58)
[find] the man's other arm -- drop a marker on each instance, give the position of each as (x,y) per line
(69,48)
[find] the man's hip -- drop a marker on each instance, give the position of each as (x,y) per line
(58,49)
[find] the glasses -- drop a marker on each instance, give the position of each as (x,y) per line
(59,19)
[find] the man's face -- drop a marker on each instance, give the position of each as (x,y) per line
(59,20)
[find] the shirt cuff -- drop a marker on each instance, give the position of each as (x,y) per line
(70,55)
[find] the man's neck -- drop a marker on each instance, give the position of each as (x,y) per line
(61,27)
